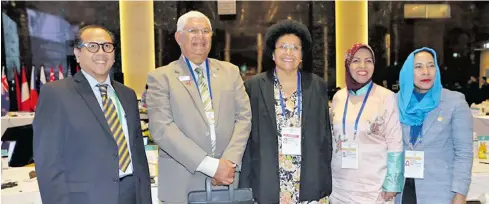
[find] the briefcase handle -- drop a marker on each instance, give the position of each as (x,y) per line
(208,189)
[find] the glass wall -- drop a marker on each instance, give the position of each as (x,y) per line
(42,33)
(240,38)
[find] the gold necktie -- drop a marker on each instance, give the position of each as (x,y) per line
(115,126)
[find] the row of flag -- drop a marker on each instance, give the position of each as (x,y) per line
(27,96)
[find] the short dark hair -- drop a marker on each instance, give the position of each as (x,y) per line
(285,27)
(484,78)
(78,39)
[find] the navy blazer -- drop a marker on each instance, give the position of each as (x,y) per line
(75,153)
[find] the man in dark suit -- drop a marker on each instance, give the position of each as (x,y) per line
(88,145)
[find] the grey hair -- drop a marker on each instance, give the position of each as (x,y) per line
(182,20)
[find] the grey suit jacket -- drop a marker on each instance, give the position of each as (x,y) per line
(74,150)
(448,150)
(179,126)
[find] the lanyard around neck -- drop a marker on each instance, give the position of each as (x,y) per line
(359,113)
(299,94)
(195,79)
(115,100)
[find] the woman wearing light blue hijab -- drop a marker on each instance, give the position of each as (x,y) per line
(437,134)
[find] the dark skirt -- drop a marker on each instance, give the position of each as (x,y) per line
(409,193)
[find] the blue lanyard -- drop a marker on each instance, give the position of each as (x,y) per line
(299,94)
(359,113)
(418,139)
(195,79)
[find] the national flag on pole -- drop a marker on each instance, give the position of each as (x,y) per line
(25,104)
(17,87)
(60,72)
(68,74)
(51,75)
(42,77)
(5,93)
(33,95)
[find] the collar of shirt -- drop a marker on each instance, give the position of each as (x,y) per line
(93,82)
(361,91)
(203,66)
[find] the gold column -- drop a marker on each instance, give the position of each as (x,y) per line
(259,53)
(484,64)
(351,26)
(227,47)
(388,49)
(137,42)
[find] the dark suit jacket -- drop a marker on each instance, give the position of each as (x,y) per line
(260,162)
(74,151)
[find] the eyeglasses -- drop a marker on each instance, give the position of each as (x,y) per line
(286,46)
(94,47)
(205,31)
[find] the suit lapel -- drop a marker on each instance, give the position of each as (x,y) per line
(127,109)
(216,86)
(406,135)
(430,119)
(183,73)
(86,92)
(268,95)
(306,97)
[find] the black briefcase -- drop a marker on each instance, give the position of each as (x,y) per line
(221,196)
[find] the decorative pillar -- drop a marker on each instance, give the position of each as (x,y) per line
(137,42)
(259,51)
(351,26)
(227,47)
(484,64)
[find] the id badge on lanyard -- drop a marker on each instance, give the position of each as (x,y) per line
(349,155)
(414,164)
(291,141)
(292,136)
(414,160)
(212,124)
(349,150)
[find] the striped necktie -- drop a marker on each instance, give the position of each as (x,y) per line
(115,126)
(206,98)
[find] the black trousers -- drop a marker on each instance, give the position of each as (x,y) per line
(127,190)
(409,193)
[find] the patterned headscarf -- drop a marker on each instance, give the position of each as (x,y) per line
(352,84)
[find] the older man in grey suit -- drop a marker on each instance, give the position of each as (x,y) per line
(199,114)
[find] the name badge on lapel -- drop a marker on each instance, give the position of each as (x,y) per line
(184,78)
